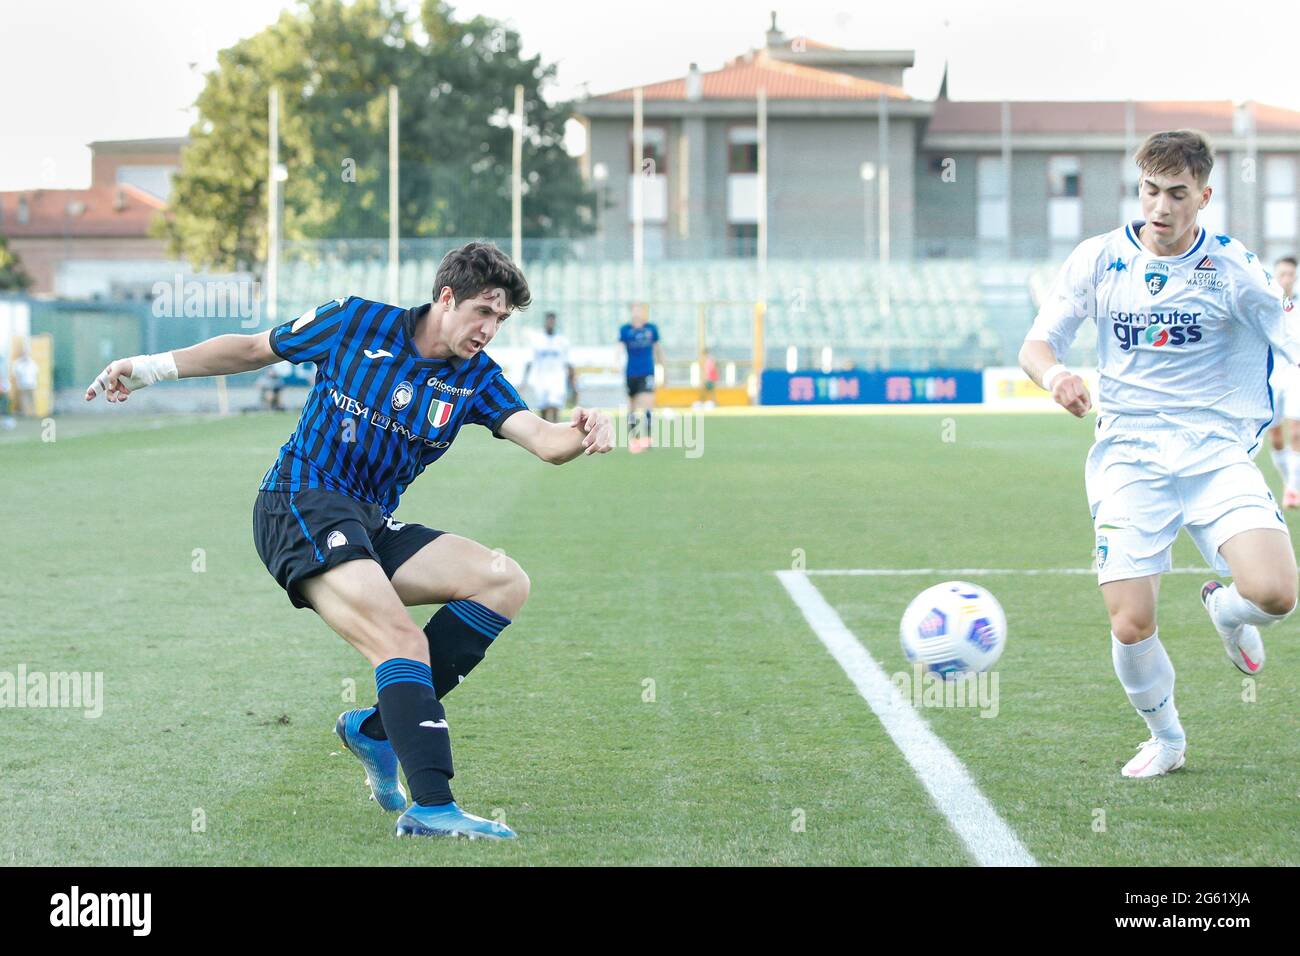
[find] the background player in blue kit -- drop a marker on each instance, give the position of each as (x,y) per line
(641,338)
(393,388)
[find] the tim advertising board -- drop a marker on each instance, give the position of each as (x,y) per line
(935,387)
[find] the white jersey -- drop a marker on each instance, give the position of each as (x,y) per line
(1192,337)
(550,362)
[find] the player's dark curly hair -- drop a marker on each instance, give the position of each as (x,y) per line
(477,266)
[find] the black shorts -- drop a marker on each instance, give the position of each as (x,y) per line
(636,384)
(302,533)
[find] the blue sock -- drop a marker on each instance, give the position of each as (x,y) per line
(459,635)
(416,725)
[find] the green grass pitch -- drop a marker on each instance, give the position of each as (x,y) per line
(216,747)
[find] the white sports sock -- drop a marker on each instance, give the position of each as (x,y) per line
(1291,476)
(1281,461)
(1230,610)
(1147,676)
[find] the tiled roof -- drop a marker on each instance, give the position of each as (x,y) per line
(96,212)
(742,78)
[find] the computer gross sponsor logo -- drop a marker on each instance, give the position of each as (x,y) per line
(1157,329)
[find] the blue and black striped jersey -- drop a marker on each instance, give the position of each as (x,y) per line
(379,412)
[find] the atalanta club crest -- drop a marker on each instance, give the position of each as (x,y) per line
(1157,275)
(440,413)
(401,396)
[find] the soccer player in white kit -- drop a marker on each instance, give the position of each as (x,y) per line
(549,373)
(1189,328)
(1284,436)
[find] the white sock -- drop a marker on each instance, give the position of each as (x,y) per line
(1147,676)
(1281,461)
(1291,476)
(1230,610)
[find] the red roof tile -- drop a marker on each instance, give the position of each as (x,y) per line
(47,212)
(1210,116)
(742,77)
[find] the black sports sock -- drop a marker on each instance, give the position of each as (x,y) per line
(649,424)
(459,635)
(373,726)
(633,422)
(417,726)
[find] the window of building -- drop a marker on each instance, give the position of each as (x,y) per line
(24,212)
(993,213)
(1063,177)
(742,149)
(654,147)
(1064,207)
(1279,205)
(742,239)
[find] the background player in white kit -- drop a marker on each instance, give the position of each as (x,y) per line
(1284,436)
(550,373)
(1189,326)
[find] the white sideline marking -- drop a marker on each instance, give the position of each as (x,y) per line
(969,572)
(986,835)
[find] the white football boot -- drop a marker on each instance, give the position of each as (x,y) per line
(1244,646)
(1155,758)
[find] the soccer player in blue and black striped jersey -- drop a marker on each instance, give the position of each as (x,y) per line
(393,388)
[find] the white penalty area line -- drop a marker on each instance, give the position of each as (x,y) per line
(963,572)
(985,834)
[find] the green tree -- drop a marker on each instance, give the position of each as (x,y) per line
(333,63)
(13,278)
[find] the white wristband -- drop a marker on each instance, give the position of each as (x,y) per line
(1050,376)
(149,369)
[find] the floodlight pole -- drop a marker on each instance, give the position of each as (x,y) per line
(638,194)
(517,180)
(272,276)
(393,205)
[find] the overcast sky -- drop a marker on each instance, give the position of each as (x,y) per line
(73,71)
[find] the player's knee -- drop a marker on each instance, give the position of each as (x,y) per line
(1130,627)
(401,639)
(1274,597)
(512,587)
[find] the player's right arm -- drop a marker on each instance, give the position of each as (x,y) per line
(1056,325)
(221,355)
(1068,389)
(308,338)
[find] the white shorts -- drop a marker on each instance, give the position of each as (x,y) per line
(550,394)
(1286,392)
(1147,478)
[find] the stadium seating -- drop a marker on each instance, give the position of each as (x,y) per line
(937,311)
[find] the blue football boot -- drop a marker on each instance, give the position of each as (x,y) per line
(377,757)
(450,820)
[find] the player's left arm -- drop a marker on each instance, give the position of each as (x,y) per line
(588,432)
(1262,306)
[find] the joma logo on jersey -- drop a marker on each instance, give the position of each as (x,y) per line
(1156,328)
(440,412)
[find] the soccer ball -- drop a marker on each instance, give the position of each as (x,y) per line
(954,628)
